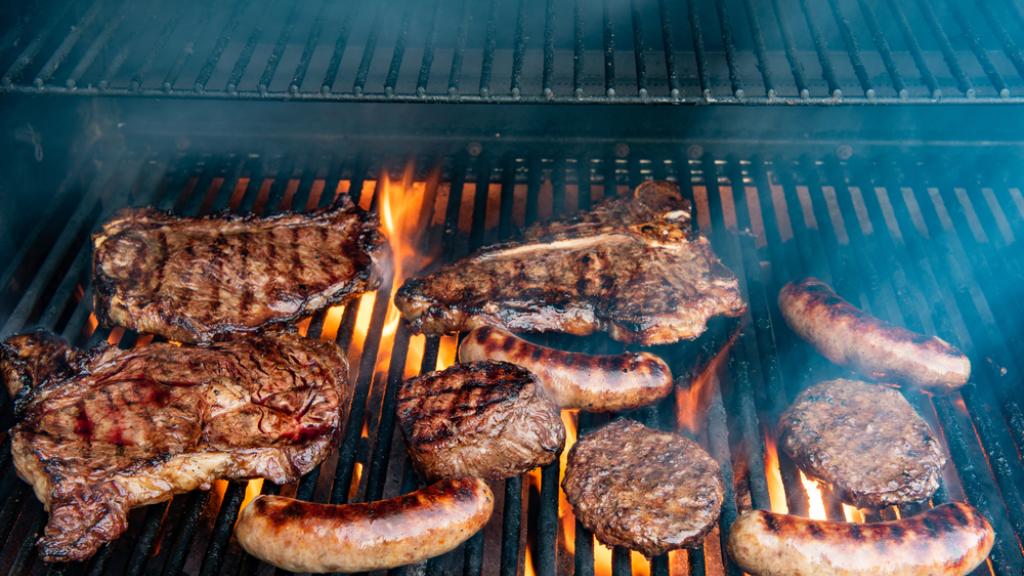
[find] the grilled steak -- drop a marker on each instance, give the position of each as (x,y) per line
(865,440)
(190,279)
(27,360)
(630,267)
(643,489)
(483,419)
(127,428)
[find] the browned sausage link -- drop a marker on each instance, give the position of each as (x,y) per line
(951,539)
(309,537)
(605,383)
(849,337)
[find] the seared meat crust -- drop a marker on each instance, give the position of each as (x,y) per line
(865,440)
(643,489)
(27,360)
(630,267)
(191,279)
(134,427)
(483,419)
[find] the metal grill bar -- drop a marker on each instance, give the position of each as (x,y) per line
(160,48)
(895,273)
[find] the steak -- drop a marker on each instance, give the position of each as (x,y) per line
(126,428)
(643,489)
(865,440)
(483,419)
(27,360)
(631,267)
(190,279)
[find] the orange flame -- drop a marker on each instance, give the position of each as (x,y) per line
(566,518)
(332,321)
(91,324)
(602,559)
(252,490)
(692,403)
(853,514)
(776,488)
(815,499)
(446,350)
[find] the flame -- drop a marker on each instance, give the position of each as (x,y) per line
(91,324)
(692,403)
(565,516)
(776,488)
(357,475)
(853,514)
(217,493)
(815,500)
(602,559)
(252,490)
(414,356)
(446,350)
(362,327)
(332,321)
(115,335)
(303,326)
(641,565)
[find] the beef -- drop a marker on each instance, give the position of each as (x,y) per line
(643,489)
(191,279)
(127,428)
(483,419)
(865,440)
(27,360)
(631,267)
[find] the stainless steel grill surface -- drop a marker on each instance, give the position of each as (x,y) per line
(896,234)
(612,51)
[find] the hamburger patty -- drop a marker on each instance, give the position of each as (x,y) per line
(483,419)
(643,489)
(865,440)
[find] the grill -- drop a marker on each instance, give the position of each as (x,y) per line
(871,143)
(612,51)
(912,246)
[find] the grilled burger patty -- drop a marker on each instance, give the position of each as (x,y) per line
(865,440)
(643,489)
(483,419)
(190,279)
(631,267)
(125,428)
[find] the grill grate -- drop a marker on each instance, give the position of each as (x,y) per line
(613,51)
(900,238)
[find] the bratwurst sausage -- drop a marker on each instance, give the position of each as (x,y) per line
(947,540)
(310,537)
(605,383)
(849,337)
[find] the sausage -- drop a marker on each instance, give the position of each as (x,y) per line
(849,337)
(311,537)
(951,539)
(605,383)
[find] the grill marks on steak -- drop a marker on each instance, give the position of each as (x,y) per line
(643,489)
(190,279)
(134,427)
(630,267)
(483,419)
(865,440)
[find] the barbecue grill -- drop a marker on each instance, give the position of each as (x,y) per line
(871,143)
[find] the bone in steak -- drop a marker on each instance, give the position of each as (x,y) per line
(126,428)
(630,267)
(190,279)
